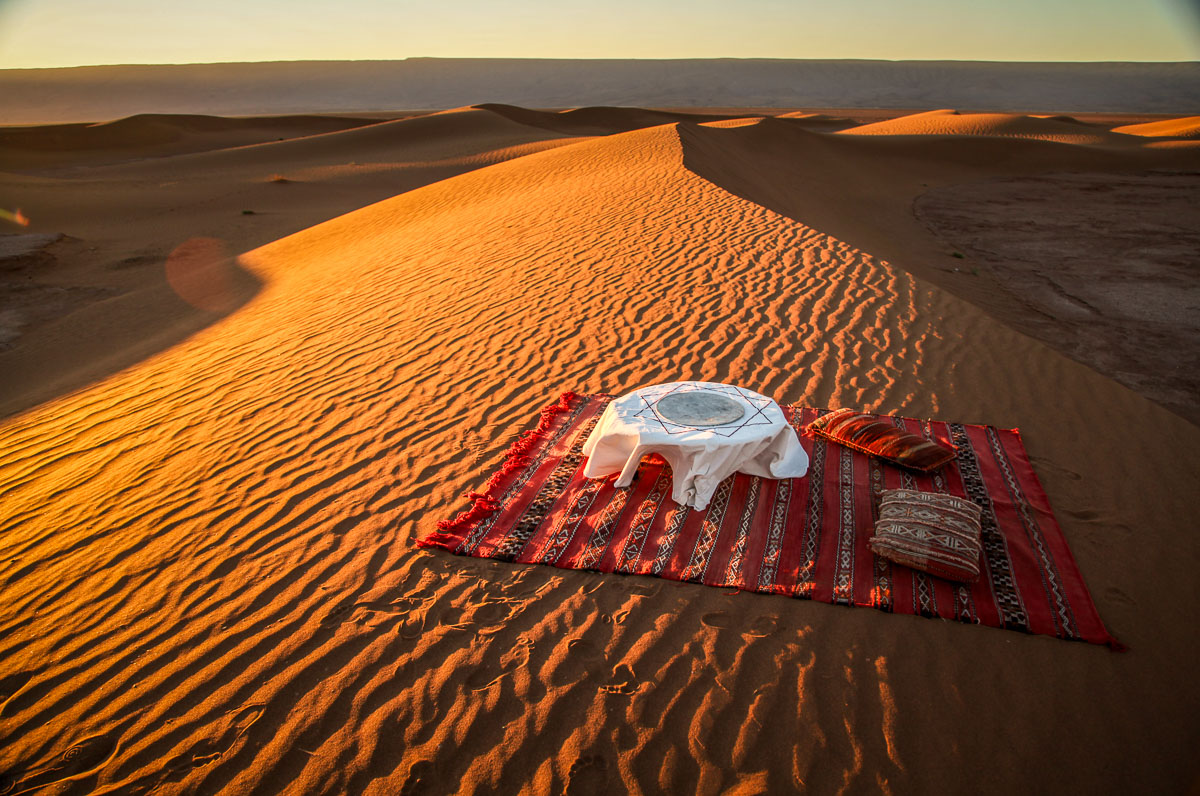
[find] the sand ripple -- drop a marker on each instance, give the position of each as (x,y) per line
(206,564)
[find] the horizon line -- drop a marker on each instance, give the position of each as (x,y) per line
(536,58)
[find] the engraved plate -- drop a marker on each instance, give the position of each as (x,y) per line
(700,409)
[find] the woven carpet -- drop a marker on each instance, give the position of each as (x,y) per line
(804,538)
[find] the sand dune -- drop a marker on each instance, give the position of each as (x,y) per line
(816,122)
(596,120)
(150,135)
(1055,272)
(110,285)
(423,139)
(819,121)
(1188,127)
(1065,130)
(208,577)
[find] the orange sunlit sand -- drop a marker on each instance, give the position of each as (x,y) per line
(246,364)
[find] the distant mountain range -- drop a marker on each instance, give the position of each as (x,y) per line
(98,93)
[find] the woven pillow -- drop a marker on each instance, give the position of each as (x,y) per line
(869,434)
(934,533)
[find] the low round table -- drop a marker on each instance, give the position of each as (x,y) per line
(705,431)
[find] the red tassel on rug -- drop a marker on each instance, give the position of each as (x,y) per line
(484,503)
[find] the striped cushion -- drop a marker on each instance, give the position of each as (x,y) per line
(878,437)
(934,533)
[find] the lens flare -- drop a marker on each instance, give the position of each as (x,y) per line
(15,216)
(201,272)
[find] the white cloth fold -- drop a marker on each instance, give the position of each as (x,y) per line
(760,443)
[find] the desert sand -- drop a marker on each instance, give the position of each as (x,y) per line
(247,362)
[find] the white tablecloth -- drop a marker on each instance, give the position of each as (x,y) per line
(759,443)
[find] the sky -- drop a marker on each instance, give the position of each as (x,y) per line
(47,33)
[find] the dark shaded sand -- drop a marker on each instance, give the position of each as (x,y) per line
(1106,265)
(224,437)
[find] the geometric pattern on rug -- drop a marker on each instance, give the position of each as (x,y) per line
(804,538)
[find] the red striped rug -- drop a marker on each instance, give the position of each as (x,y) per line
(803,538)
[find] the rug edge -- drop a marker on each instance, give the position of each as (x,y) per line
(450,533)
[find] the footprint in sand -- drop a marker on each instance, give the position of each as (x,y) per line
(450,618)
(645,589)
(588,776)
(484,618)
(761,627)
(584,649)
(411,628)
(421,779)
(614,619)
(623,681)
(519,590)
(1117,596)
(83,759)
(490,617)
(1043,463)
(1100,518)
(209,750)
(439,562)
(337,615)
(582,661)
(475,445)
(361,612)
(718,619)
(482,679)
(515,658)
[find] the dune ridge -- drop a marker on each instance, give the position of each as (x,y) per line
(243,195)
(1007,125)
(1167,128)
(1043,258)
(149,135)
(597,120)
(429,137)
(206,559)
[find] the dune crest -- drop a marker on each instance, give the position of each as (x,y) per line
(819,121)
(1005,125)
(1187,127)
(417,140)
(150,135)
(597,120)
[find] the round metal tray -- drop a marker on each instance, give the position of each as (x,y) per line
(700,409)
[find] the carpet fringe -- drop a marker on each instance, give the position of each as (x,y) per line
(485,503)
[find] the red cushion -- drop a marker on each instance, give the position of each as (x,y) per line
(868,434)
